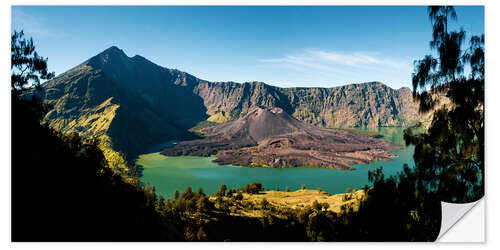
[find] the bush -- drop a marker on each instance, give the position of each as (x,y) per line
(222,191)
(346,197)
(317,206)
(239,196)
(253,188)
(230,193)
(265,204)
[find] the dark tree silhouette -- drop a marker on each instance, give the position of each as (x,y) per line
(450,156)
(27,66)
(96,204)
(62,187)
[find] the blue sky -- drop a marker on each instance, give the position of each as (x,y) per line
(282,46)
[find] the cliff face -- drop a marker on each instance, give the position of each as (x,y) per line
(131,104)
(227,101)
(355,105)
(358,105)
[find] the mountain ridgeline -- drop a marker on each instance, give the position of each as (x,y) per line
(131,104)
(356,105)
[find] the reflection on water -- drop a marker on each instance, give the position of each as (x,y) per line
(170,173)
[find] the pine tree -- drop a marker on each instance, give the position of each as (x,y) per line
(449,157)
(27,66)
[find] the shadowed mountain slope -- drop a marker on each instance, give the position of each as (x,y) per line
(271,137)
(132,104)
(98,100)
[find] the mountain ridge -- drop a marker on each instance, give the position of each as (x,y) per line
(132,103)
(243,97)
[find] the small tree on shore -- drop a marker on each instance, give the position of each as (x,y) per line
(222,191)
(253,188)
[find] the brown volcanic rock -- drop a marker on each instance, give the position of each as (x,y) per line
(273,138)
(132,104)
(369,104)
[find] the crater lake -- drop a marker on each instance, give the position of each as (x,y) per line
(169,173)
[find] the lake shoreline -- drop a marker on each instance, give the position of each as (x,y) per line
(170,173)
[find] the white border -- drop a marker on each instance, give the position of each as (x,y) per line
(492,104)
(462,231)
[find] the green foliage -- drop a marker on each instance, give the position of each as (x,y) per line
(253,188)
(449,157)
(201,235)
(316,206)
(346,197)
(393,202)
(26,65)
(200,192)
(176,194)
(230,192)
(449,163)
(265,204)
(239,196)
(222,191)
(96,198)
(94,205)
(202,204)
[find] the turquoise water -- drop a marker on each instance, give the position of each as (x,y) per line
(170,173)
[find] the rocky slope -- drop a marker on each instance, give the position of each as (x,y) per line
(355,105)
(98,100)
(132,104)
(271,137)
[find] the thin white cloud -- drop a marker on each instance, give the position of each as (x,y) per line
(28,23)
(297,61)
(331,61)
(33,25)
